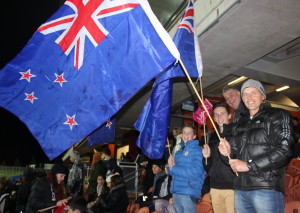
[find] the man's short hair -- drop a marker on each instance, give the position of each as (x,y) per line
(190,126)
(106,150)
(221,104)
(78,203)
(229,87)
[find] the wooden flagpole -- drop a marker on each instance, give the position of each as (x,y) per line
(204,123)
(168,142)
(48,208)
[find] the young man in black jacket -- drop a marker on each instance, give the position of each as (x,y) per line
(220,174)
(261,147)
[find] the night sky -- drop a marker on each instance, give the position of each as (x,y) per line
(19,21)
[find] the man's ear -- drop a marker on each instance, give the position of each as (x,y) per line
(194,137)
(229,116)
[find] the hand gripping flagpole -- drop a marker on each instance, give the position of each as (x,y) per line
(203,105)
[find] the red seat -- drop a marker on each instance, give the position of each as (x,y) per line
(292,170)
(295,192)
(291,207)
(204,205)
(295,162)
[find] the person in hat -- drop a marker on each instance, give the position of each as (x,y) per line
(48,191)
(259,151)
(75,178)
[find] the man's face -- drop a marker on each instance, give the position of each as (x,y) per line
(252,99)
(233,98)
(156,169)
(221,116)
(188,134)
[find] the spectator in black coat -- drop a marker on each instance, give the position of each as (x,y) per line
(117,199)
(44,191)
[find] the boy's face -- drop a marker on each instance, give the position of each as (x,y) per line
(188,134)
(156,169)
(221,116)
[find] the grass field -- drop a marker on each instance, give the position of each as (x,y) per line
(10,171)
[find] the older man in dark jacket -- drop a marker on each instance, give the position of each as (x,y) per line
(261,146)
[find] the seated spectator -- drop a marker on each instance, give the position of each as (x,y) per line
(101,190)
(160,198)
(146,174)
(97,168)
(116,201)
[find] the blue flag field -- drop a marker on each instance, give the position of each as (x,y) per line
(82,66)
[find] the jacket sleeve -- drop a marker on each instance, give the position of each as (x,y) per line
(78,181)
(111,202)
(193,168)
(279,132)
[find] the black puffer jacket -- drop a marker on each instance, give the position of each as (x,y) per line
(220,174)
(263,141)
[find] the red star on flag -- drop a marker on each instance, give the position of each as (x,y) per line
(26,75)
(60,79)
(30,97)
(108,123)
(71,121)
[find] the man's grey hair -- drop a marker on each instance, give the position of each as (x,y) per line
(229,87)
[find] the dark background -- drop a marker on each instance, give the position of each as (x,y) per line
(19,21)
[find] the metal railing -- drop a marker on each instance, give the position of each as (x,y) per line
(131,176)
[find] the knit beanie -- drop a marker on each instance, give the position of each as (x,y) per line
(158,162)
(59,169)
(255,84)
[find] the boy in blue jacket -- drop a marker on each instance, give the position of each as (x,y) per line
(187,172)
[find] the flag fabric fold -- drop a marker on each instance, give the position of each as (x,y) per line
(103,134)
(82,66)
(153,122)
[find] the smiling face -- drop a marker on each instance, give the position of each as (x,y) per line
(188,134)
(221,116)
(252,98)
(233,98)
